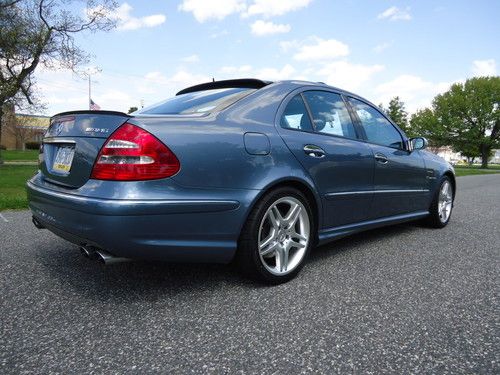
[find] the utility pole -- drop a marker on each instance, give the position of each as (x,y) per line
(88,74)
(90,92)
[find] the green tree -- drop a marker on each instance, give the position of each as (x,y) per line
(424,123)
(132,109)
(34,32)
(397,112)
(466,117)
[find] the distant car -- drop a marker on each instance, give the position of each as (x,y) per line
(256,171)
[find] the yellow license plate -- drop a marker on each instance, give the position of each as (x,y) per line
(64,159)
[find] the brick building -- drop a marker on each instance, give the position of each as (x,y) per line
(17,129)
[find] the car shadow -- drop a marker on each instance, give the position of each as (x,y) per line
(149,281)
(357,240)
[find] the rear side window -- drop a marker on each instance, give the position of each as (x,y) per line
(295,115)
(377,128)
(330,115)
(197,102)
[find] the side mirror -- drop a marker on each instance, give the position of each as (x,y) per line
(418,143)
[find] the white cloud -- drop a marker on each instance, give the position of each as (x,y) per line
(179,80)
(395,14)
(261,28)
(191,59)
(128,22)
(64,91)
(113,98)
(347,75)
(405,83)
(482,68)
(269,73)
(219,34)
(235,70)
(379,48)
(289,45)
(321,49)
(413,90)
(269,8)
(204,10)
(274,74)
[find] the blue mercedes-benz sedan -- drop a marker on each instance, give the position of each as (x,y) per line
(254,171)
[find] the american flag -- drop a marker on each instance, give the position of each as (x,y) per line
(94,106)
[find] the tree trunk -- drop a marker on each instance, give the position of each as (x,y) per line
(485,154)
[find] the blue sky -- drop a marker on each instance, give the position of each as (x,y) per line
(378,49)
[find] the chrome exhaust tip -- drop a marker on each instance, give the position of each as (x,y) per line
(36,223)
(106,258)
(88,252)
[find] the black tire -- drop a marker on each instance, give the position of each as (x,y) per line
(248,258)
(434,220)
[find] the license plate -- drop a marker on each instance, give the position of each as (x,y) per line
(63,159)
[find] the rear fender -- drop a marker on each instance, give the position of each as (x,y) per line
(303,183)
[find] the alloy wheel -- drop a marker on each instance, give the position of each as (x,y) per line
(284,234)
(445,201)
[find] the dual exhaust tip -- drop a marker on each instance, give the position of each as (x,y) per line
(36,223)
(100,255)
(90,252)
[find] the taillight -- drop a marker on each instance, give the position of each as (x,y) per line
(132,154)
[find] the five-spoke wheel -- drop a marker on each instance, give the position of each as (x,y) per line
(284,235)
(445,201)
(277,236)
(442,204)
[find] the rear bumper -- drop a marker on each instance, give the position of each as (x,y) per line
(191,230)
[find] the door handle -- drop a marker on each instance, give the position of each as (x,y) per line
(381,158)
(314,151)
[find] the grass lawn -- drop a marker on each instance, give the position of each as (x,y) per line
(466,170)
(12,185)
(477,166)
(19,155)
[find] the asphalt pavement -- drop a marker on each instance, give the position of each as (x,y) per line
(403,299)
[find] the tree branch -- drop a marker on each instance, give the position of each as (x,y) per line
(9,3)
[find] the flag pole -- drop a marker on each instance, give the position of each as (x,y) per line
(89,93)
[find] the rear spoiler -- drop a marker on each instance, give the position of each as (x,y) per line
(250,83)
(89,112)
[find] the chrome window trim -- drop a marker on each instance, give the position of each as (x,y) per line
(363,192)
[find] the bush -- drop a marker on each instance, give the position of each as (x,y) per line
(32,145)
(3,147)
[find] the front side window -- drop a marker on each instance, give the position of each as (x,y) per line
(295,115)
(377,128)
(330,115)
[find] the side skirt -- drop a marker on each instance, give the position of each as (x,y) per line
(326,235)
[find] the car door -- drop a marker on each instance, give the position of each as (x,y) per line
(317,128)
(400,178)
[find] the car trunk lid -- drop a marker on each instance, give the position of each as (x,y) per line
(72,143)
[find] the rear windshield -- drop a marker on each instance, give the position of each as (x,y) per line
(197,102)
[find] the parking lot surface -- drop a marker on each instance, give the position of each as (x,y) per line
(404,299)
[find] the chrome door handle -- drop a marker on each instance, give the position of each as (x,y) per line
(381,158)
(314,151)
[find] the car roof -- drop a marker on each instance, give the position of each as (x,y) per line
(253,83)
(300,83)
